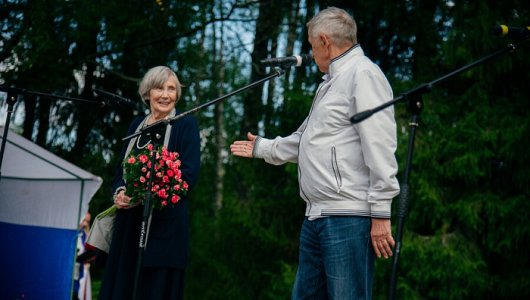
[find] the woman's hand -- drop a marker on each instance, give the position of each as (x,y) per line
(121,201)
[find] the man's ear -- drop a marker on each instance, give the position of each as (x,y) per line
(324,39)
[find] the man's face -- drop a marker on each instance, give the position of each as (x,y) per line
(85,223)
(320,48)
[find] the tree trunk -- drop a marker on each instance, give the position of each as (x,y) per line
(220,133)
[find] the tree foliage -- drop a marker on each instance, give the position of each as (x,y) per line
(466,232)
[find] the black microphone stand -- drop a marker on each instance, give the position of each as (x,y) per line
(415,106)
(155,130)
(12,96)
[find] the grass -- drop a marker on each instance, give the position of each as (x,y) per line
(96,284)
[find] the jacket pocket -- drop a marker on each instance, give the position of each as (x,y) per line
(336,170)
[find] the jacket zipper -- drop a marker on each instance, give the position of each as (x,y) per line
(335,167)
(299,172)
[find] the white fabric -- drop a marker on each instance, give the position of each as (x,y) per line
(85,285)
(343,168)
(85,282)
(41,189)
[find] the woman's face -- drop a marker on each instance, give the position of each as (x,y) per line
(163,99)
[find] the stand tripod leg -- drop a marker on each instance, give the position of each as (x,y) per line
(144,227)
(404,198)
(11,100)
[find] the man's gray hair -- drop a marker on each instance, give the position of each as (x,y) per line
(335,23)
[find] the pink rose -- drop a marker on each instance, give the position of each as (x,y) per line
(143,158)
(131,160)
(178,174)
(162,194)
(175,199)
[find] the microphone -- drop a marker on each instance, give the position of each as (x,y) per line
(116,98)
(513,32)
(295,60)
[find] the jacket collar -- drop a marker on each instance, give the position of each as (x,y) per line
(335,64)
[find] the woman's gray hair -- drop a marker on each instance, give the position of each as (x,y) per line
(155,78)
(335,23)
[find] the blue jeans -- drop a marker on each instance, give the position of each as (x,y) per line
(336,259)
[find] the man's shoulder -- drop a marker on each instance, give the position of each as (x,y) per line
(361,63)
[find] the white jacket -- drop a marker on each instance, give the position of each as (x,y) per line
(343,168)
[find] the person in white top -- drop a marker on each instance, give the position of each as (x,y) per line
(347,172)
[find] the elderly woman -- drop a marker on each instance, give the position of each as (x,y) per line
(165,257)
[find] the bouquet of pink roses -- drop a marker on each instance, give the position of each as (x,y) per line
(167,186)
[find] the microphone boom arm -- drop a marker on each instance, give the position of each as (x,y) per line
(425,87)
(11,99)
(415,105)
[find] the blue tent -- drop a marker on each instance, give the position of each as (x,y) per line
(42,201)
